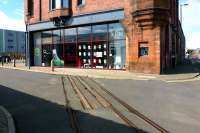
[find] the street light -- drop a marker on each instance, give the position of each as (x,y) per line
(27,42)
(181,12)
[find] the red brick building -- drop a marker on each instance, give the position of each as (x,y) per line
(135,35)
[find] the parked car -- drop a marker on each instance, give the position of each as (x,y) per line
(5,59)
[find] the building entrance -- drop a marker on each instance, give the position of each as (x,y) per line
(46,54)
(70,55)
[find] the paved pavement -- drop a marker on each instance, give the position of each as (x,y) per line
(182,73)
(175,106)
(94,73)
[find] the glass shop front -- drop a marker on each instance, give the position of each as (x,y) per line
(95,46)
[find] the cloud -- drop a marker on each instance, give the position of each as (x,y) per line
(4,2)
(10,23)
(19,12)
(191,23)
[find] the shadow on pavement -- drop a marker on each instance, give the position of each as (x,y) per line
(185,68)
(35,115)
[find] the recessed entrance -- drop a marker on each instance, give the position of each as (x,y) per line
(70,55)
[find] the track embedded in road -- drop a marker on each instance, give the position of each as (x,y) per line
(93,96)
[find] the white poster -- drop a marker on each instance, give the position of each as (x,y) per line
(99,54)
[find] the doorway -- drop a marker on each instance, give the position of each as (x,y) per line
(70,55)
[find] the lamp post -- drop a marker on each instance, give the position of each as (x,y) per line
(181,12)
(27,43)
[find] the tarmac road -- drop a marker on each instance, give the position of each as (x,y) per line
(36,102)
(175,106)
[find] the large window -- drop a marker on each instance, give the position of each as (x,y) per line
(84,34)
(56,37)
(46,48)
(95,46)
(37,49)
(116,31)
(99,32)
(46,37)
(81,2)
(70,35)
(117,46)
(117,54)
(30,7)
(58,4)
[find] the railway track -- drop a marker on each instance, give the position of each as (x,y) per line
(92,96)
(72,113)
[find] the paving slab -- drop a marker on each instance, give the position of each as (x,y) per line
(182,73)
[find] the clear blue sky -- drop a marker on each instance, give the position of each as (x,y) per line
(12,11)
(12,8)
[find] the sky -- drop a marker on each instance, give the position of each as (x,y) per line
(12,11)
(12,14)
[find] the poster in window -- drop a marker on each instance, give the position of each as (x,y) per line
(84,54)
(105,53)
(95,54)
(99,61)
(84,46)
(104,46)
(95,47)
(99,54)
(99,46)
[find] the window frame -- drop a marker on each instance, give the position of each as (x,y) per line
(61,6)
(30,7)
(146,48)
(81,3)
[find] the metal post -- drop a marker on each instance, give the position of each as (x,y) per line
(2,61)
(181,12)
(28,45)
(52,66)
(14,62)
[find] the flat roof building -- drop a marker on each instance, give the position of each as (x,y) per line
(139,36)
(12,42)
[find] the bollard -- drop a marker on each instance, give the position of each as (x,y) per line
(2,61)
(14,62)
(52,66)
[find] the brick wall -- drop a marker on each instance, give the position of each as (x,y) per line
(91,6)
(155,29)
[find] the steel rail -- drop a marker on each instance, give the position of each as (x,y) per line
(83,99)
(95,95)
(131,109)
(118,113)
(72,114)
